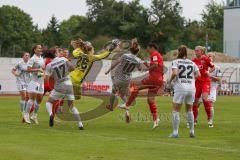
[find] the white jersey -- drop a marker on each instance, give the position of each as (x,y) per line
(24,75)
(59,69)
(36,63)
(215,73)
(185,80)
(128,62)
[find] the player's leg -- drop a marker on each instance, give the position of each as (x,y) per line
(123,90)
(75,114)
(178,99)
(198,95)
(190,117)
(37,102)
(30,103)
(49,107)
(112,97)
(138,85)
(212,99)
(206,102)
(23,99)
(154,110)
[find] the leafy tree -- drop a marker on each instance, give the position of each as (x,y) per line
(212,20)
(171,24)
(74,27)
(17,32)
(50,35)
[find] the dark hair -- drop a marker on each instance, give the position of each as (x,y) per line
(153,45)
(135,48)
(182,52)
(34,47)
(49,53)
(23,54)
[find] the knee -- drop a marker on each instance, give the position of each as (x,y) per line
(150,100)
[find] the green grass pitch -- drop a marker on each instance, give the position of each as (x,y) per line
(110,138)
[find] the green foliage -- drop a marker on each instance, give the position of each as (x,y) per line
(17,32)
(108,19)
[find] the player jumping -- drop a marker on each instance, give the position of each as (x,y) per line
(122,75)
(84,53)
(153,82)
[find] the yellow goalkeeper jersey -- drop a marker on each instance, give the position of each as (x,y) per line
(84,64)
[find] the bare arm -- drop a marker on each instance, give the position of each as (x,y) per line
(14,72)
(173,76)
(113,66)
(153,66)
(197,74)
(70,66)
(30,69)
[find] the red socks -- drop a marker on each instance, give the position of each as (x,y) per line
(207,106)
(195,111)
(132,97)
(154,110)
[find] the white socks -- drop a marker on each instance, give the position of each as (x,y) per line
(175,122)
(49,108)
(212,113)
(77,116)
(36,107)
(22,105)
(29,106)
(190,119)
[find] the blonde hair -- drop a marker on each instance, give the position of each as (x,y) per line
(203,49)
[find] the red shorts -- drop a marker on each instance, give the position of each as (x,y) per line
(154,85)
(202,87)
(47,88)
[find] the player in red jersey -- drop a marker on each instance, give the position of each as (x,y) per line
(203,82)
(153,82)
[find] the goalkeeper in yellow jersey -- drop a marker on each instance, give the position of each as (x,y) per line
(84,53)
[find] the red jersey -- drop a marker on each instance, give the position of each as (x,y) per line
(203,64)
(48,85)
(157,73)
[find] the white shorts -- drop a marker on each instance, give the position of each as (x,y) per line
(58,95)
(21,86)
(213,94)
(186,97)
(35,87)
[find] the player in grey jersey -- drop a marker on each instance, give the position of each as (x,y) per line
(184,72)
(35,88)
(122,76)
(59,69)
(22,79)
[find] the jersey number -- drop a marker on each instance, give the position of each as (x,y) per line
(129,67)
(60,71)
(182,72)
(82,62)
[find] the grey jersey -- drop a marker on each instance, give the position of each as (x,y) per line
(21,68)
(36,63)
(185,80)
(59,69)
(128,62)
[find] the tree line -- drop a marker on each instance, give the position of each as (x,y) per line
(107,19)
